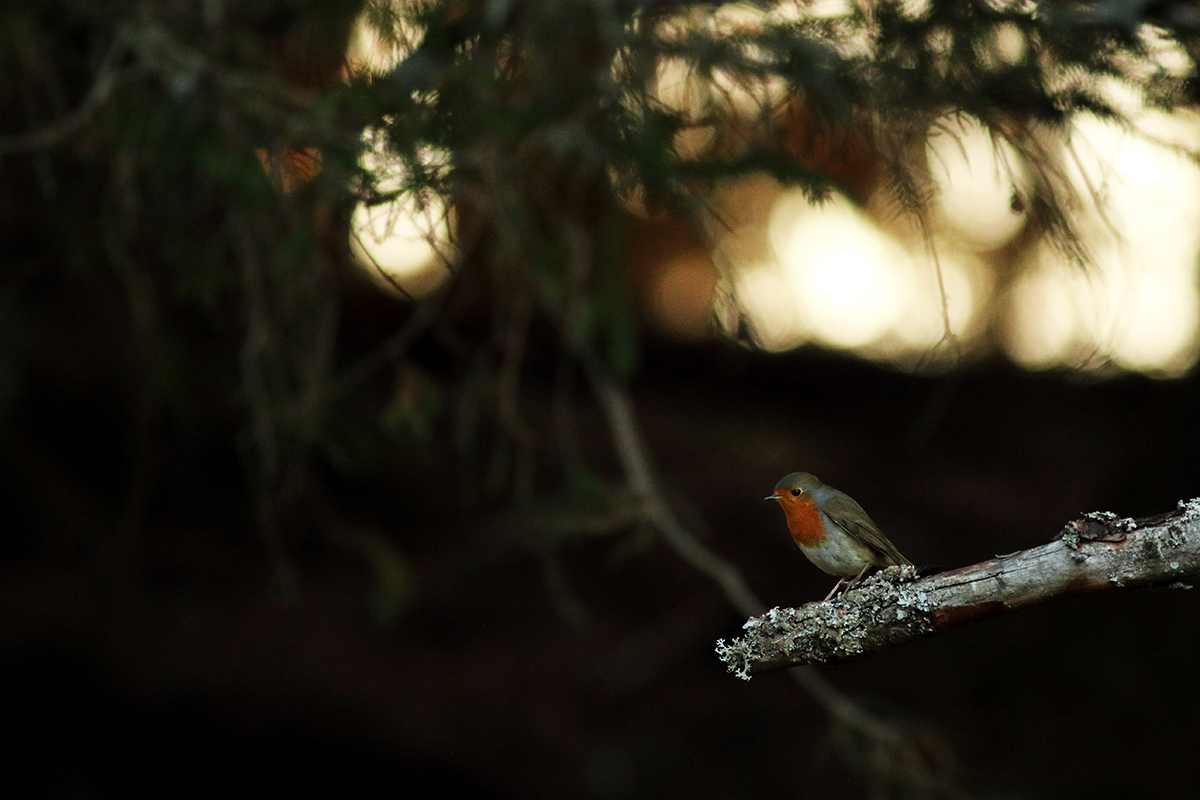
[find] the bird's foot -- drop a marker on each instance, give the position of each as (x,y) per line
(841,582)
(844,584)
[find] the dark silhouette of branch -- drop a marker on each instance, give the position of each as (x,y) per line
(1097,553)
(897,753)
(108,80)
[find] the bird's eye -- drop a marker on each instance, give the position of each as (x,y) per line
(796,492)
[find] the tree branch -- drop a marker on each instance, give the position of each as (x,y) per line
(895,754)
(1099,552)
(108,80)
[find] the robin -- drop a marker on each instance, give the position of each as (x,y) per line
(833,530)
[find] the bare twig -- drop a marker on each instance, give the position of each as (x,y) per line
(264,433)
(108,80)
(385,274)
(896,755)
(175,62)
(619,412)
(508,388)
(393,349)
(1097,553)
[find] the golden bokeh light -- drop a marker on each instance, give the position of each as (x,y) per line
(370,51)
(1159,335)
(1043,321)
(678,88)
(947,290)
(831,275)
(405,244)
(976,178)
(745,95)
(1137,308)
(768,299)
(845,272)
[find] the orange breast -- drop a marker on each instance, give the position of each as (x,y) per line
(803,521)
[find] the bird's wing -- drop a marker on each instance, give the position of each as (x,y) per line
(848,514)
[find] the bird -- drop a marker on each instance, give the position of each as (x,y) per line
(832,529)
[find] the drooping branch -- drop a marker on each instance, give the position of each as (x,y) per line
(896,755)
(1096,553)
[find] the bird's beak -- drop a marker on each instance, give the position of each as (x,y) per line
(771,497)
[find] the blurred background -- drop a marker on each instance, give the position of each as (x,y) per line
(388,390)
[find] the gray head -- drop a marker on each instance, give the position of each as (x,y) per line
(796,484)
(804,481)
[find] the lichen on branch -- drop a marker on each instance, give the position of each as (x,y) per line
(1097,552)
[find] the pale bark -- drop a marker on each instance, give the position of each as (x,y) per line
(1096,553)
